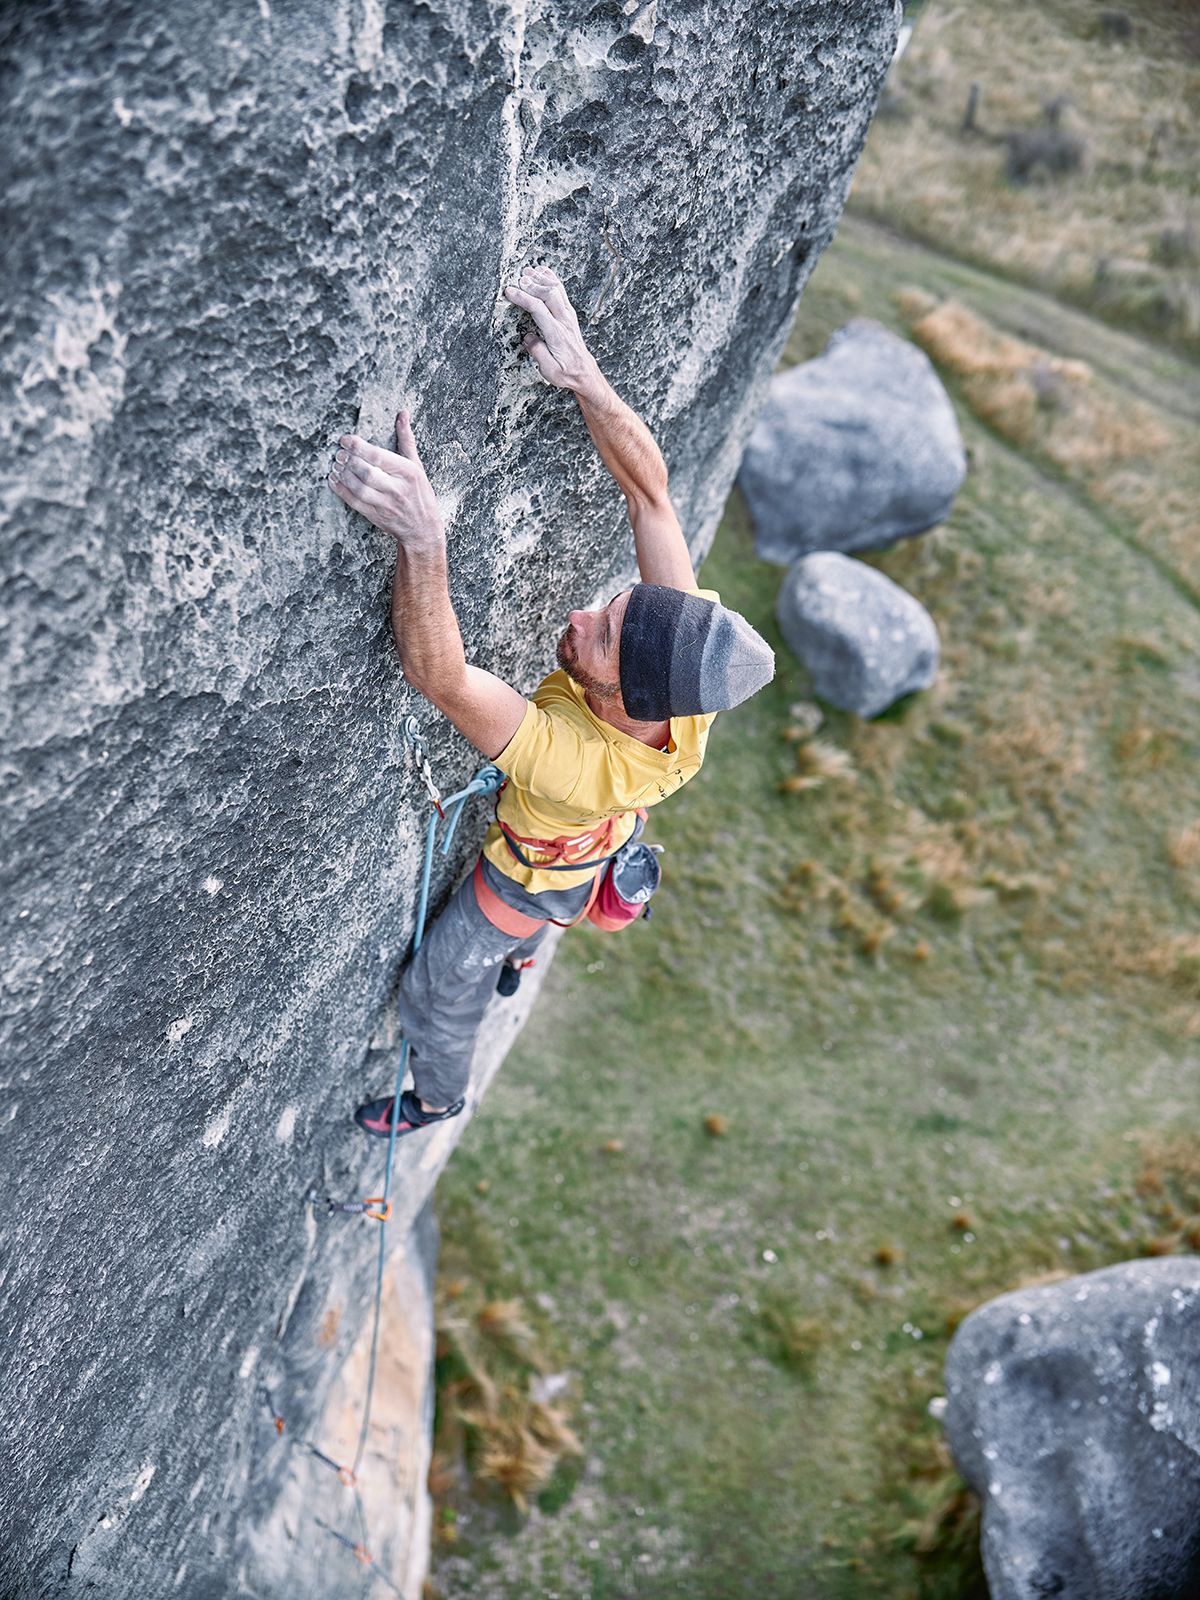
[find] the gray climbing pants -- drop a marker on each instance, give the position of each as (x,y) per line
(446,986)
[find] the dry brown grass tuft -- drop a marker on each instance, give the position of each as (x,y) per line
(1042,763)
(1165,1244)
(1146,748)
(874,937)
(1110,443)
(1032,396)
(793,1339)
(511,1457)
(489,1425)
(818,762)
(914,303)
(550,1426)
(1169,1183)
(1007,383)
(520,1445)
(1183,847)
(1174,961)
(504,1321)
(473,1386)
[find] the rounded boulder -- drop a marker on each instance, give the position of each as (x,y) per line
(1073,1411)
(853,450)
(864,640)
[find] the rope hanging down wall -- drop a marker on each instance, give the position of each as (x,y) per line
(378,1208)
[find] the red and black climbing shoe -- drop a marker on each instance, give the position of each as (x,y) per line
(376,1116)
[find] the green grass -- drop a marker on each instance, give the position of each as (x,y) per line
(947,1002)
(1119,235)
(769,1416)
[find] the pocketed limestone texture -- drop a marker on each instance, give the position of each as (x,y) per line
(1073,1411)
(233,233)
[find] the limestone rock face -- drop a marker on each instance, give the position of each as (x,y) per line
(233,233)
(1073,1410)
(864,639)
(853,450)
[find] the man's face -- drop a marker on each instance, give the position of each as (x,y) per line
(590,648)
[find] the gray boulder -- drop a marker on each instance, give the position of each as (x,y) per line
(864,639)
(1073,1410)
(853,450)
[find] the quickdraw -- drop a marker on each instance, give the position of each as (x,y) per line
(352,1208)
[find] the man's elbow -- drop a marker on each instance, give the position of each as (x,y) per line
(416,672)
(410,665)
(440,685)
(418,669)
(650,497)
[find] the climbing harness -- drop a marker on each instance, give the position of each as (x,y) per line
(607,907)
(517,924)
(559,849)
(379,1207)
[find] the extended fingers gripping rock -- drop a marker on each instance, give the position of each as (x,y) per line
(557,347)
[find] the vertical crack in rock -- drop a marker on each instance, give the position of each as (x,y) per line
(235,234)
(510,138)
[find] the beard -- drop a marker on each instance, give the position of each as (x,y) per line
(569,662)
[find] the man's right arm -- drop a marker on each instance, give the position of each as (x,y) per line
(628,450)
(625,443)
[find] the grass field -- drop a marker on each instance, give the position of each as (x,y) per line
(945,998)
(1079,171)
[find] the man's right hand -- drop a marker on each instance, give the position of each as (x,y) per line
(557,348)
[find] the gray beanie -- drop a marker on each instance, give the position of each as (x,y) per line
(682,655)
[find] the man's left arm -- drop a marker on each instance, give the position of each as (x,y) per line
(393,493)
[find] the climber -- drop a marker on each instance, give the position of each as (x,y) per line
(621,725)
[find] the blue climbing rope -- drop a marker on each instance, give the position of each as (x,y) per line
(486,781)
(379,1207)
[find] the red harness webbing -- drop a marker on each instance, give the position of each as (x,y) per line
(511,921)
(517,923)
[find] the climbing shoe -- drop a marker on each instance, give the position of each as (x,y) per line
(376,1116)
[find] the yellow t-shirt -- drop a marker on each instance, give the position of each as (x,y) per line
(569,771)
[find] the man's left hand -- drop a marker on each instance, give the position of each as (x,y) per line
(389,489)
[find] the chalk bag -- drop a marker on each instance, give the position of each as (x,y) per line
(629,880)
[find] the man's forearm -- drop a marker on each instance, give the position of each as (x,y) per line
(625,443)
(424,625)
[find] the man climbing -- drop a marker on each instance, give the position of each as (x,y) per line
(621,725)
